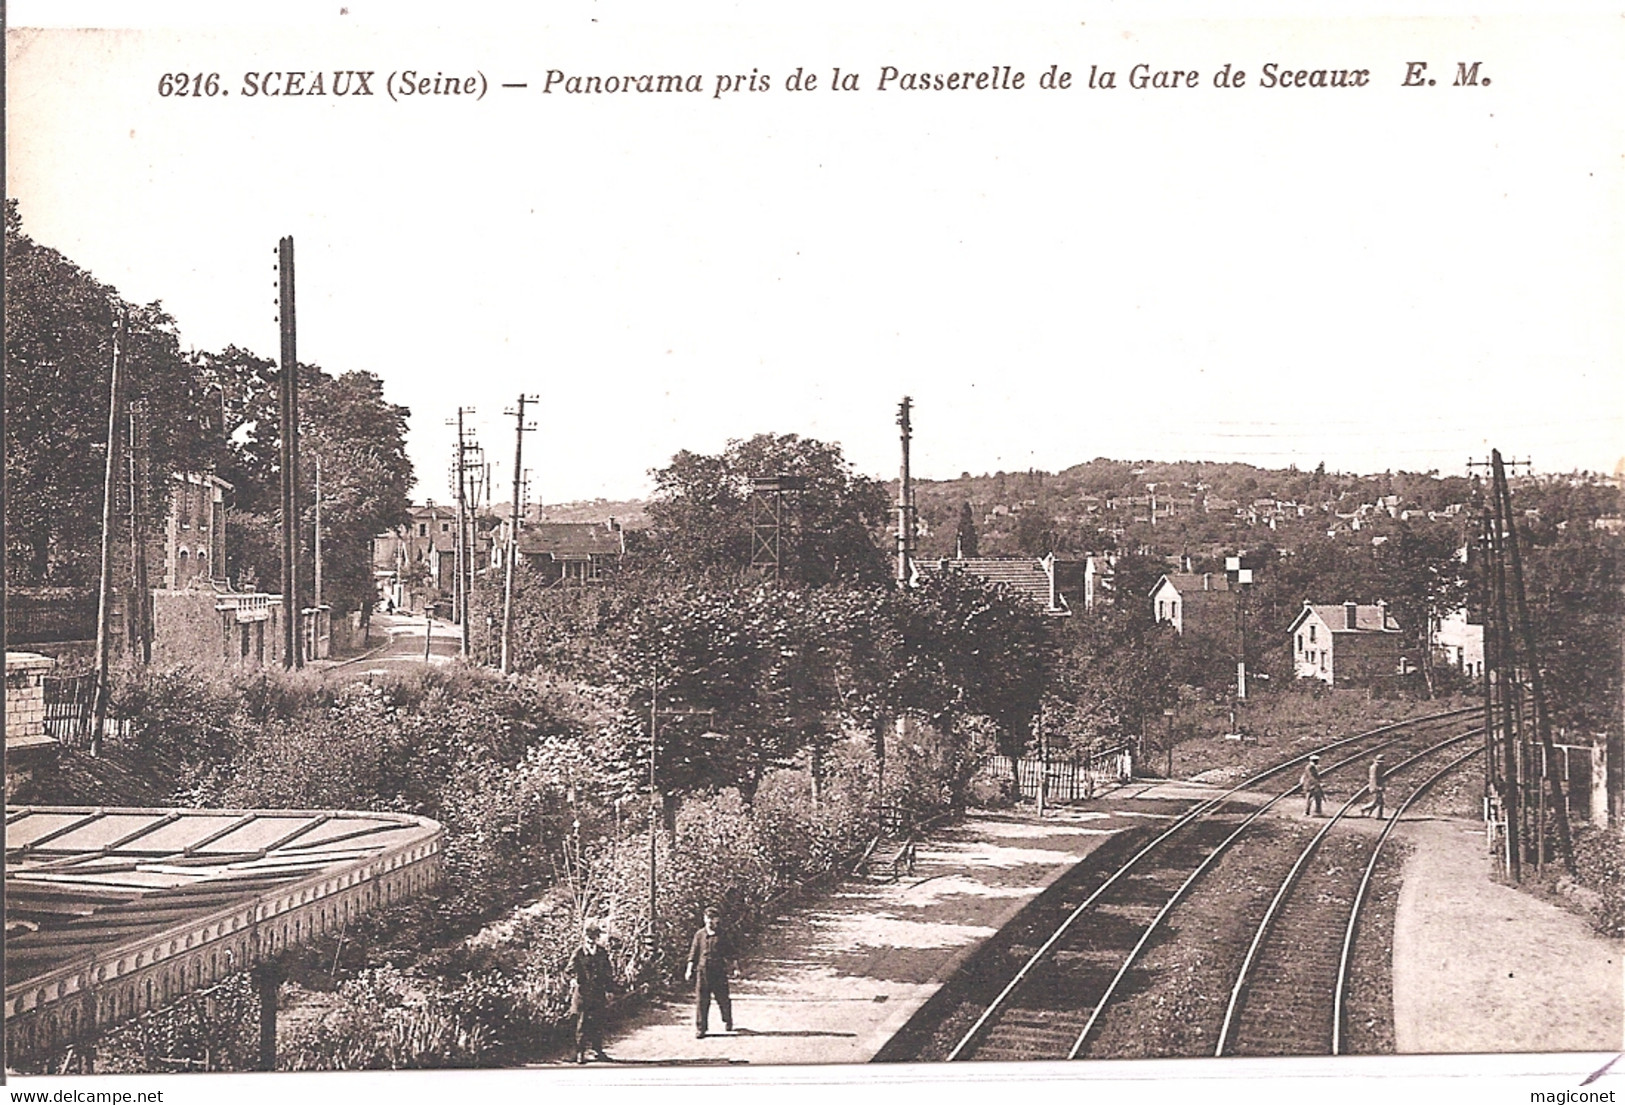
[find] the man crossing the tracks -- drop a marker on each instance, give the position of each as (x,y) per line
(1313,792)
(708,969)
(1374,786)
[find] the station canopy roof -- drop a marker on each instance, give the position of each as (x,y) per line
(82,879)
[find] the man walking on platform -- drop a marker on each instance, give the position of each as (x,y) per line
(1374,785)
(708,969)
(1313,792)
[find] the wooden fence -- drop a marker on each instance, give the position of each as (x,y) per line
(1070,779)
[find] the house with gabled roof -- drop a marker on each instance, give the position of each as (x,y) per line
(1346,644)
(576,551)
(1042,581)
(1196,602)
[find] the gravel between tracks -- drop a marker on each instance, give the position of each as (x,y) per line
(1370,1001)
(1173,1000)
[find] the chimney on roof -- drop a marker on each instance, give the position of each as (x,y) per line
(1351,616)
(1187,563)
(1382,613)
(1207,581)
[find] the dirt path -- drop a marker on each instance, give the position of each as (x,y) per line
(1481,967)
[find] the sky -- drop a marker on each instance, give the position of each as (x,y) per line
(1378,278)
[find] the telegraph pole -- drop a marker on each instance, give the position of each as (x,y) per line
(136,603)
(905,499)
(513,531)
(1543,731)
(104,590)
(318,571)
(464,557)
(654,799)
(461,594)
(293,641)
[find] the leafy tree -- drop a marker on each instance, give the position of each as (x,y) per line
(359,439)
(1422,577)
(966,542)
(59,347)
(1114,673)
(701,516)
(1576,597)
(1035,532)
(711,662)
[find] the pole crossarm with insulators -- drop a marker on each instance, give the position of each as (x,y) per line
(521,427)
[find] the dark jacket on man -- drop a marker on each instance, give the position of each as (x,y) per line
(707,954)
(590,979)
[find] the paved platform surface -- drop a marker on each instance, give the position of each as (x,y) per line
(838,976)
(1481,967)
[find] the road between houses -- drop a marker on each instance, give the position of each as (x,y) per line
(400,651)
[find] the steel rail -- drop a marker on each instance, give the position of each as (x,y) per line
(1340,994)
(1243,976)
(1197,811)
(1179,895)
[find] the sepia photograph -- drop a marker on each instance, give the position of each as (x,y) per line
(709,550)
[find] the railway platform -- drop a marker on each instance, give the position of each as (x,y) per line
(835,978)
(1481,967)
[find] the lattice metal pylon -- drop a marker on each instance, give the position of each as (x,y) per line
(772,509)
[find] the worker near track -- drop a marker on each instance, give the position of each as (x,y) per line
(1374,785)
(1313,792)
(708,956)
(590,977)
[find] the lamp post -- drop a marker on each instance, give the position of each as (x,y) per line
(1168,720)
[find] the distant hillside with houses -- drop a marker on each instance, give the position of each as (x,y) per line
(1199,507)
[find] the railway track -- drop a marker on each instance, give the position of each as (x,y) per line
(1289,992)
(1053,1002)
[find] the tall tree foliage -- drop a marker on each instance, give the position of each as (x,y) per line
(701,517)
(197,412)
(59,350)
(358,437)
(754,677)
(966,542)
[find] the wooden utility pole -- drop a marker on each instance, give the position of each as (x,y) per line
(1502,685)
(464,557)
(292,619)
(104,590)
(513,533)
(139,629)
(905,498)
(1543,729)
(317,582)
(654,800)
